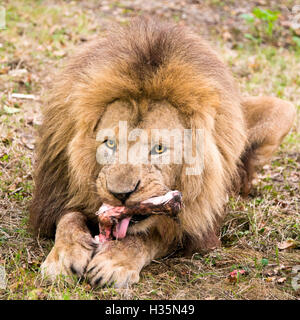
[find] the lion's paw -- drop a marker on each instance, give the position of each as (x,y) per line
(67,260)
(105,269)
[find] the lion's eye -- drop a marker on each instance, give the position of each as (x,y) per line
(158,149)
(111,144)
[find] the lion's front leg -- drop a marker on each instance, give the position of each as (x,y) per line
(72,250)
(119,263)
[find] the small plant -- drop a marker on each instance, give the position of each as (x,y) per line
(264,262)
(262,24)
(297,41)
(260,265)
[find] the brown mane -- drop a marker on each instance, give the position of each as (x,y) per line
(148,60)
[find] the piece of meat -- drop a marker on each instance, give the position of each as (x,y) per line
(115,220)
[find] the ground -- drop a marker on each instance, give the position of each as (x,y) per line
(260,237)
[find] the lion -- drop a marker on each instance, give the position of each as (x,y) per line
(268,121)
(150,75)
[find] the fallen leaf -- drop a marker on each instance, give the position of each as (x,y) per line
(281,280)
(279,268)
(59,53)
(4,70)
(34,263)
(28,140)
(290,243)
(10,110)
(88,287)
(270,279)
(235,274)
(17,72)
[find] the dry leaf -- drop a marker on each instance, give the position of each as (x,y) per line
(270,279)
(4,70)
(18,73)
(279,268)
(28,141)
(11,110)
(290,243)
(88,287)
(59,53)
(281,280)
(235,274)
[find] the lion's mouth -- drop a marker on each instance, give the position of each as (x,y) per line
(136,218)
(114,221)
(119,230)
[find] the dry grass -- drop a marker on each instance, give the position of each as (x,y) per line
(38,35)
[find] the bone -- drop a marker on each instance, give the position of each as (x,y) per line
(169,204)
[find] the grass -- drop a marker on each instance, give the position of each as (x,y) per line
(39,35)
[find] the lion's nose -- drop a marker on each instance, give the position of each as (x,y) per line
(123,196)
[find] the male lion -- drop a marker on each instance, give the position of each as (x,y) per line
(153,75)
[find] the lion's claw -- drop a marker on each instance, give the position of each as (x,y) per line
(104,269)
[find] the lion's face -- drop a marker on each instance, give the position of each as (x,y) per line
(149,169)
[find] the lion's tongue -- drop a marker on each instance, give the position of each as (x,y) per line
(121,228)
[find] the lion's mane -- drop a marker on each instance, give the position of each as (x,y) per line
(147,60)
